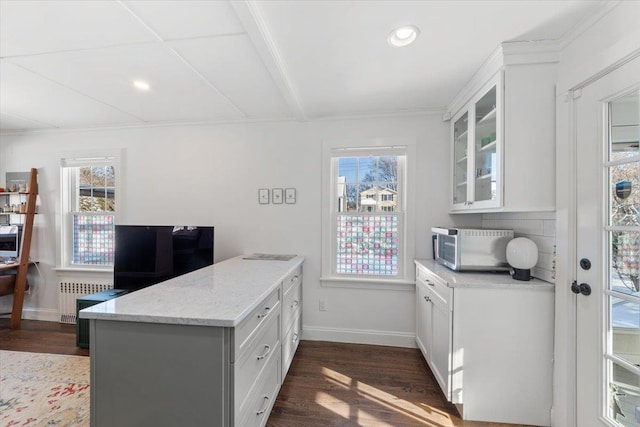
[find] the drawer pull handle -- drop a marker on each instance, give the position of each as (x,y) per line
(294,278)
(295,304)
(264,409)
(430,283)
(266,311)
(295,338)
(267,349)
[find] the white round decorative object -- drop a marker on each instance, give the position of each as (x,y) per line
(522,253)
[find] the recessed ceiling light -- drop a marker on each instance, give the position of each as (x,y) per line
(141,85)
(403,36)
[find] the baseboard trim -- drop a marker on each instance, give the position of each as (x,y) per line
(45,315)
(359,336)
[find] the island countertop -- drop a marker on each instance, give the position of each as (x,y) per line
(477,279)
(222,294)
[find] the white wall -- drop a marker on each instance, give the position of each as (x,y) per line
(211,175)
(540,227)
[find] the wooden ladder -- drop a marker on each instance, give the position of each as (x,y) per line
(25,247)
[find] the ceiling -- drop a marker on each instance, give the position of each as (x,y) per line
(71,64)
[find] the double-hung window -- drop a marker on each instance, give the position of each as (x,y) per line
(89,209)
(368,213)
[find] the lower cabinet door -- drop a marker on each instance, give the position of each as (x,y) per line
(256,409)
(290,344)
(441,330)
(423,320)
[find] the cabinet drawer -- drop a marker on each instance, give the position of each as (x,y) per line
(254,359)
(256,409)
(294,278)
(290,344)
(243,333)
(291,305)
(437,286)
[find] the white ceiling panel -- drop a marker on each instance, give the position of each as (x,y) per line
(177,93)
(27,95)
(232,64)
(10,122)
(32,27)
(186,19)
(338,59)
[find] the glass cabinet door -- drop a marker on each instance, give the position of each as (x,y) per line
(460,144)
(486,134)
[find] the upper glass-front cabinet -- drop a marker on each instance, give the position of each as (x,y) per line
(476,151)
(460,146)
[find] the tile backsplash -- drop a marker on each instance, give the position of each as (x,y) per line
(537,226)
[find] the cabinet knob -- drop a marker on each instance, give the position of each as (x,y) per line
(427,299)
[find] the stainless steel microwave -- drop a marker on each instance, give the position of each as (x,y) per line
(472,248)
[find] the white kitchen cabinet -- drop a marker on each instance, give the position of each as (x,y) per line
(477,149)
(433,328)
(488,340)
(291,317)
(503,137)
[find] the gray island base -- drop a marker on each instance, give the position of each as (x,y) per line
(210,348)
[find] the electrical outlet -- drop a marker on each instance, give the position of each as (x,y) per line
(322,305)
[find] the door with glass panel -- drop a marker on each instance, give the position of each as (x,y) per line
(607,246)
(460,158)
(485,147)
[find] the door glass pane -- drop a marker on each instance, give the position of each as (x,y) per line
(625,324)
(624,184)
(485,147)
(460,133)
(624,262)
(624,116)
(623,395)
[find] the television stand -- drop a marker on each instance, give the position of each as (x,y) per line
(82,325)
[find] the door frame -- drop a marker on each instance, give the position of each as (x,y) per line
(563,412)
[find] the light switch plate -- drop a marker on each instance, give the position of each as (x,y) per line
(290,195)
(263,196)
(276,195)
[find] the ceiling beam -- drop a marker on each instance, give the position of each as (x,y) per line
(249,14)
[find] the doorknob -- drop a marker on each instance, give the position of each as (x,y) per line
(582,288)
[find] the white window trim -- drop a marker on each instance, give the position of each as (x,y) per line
(405,146)
(80,158)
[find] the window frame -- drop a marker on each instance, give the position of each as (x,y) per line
(69,197)
(333,149)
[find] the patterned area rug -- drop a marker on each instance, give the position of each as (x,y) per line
(43,389)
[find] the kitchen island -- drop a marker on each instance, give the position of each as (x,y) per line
(201,349)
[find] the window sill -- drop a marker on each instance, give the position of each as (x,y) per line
(83,270)
(367,283)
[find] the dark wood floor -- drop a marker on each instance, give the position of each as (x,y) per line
(328,384)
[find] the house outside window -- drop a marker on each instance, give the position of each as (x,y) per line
(89,209)
(368,218)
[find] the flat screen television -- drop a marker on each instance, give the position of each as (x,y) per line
(150,254)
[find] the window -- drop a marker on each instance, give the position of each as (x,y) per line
(89,205)
(368,219)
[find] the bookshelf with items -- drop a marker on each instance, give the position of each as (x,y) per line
(16,229)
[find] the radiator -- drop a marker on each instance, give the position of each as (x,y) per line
(68,293)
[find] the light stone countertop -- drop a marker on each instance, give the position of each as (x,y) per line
(222,294)
(474,279)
